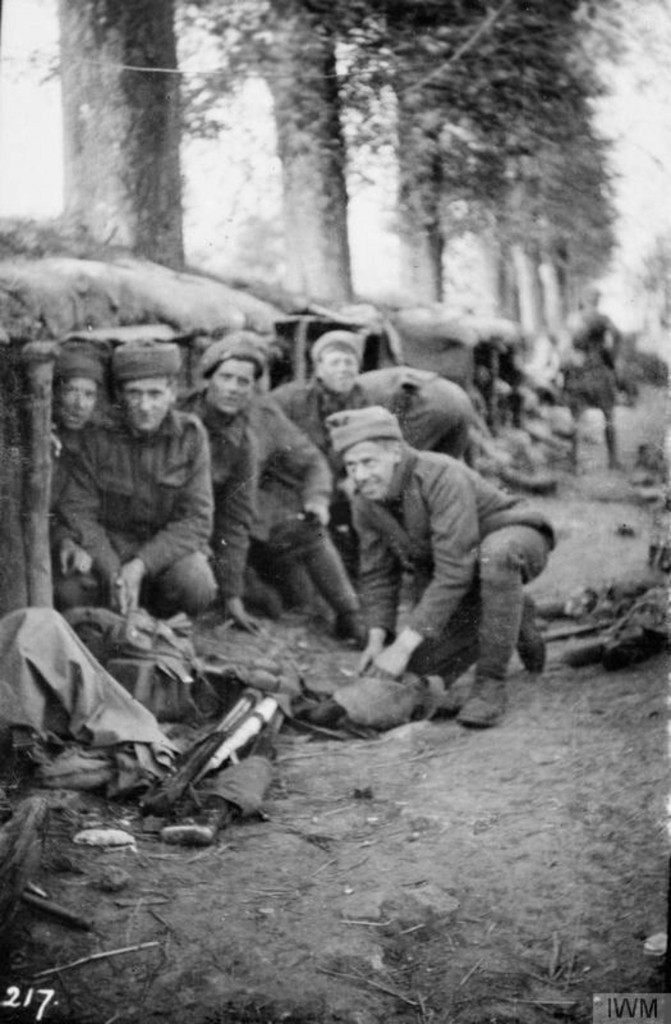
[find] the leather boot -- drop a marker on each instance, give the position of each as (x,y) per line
(485,705)
(530,643)
(328,574)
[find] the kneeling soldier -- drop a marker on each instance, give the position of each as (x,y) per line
(139,497)
(464,548)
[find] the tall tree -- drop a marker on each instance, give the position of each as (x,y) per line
(122,124)
(311,146)
(292,45)
(506,84)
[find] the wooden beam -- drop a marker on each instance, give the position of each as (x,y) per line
(38,358)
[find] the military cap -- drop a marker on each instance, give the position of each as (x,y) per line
(242,345)
(80,361)
(346,341)
(352,426)
(137,360)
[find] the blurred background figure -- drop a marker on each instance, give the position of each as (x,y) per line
(589,377)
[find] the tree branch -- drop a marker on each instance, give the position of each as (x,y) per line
(489,21)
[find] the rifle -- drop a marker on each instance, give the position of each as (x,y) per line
(193,763)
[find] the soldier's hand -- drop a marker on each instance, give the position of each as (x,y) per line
(374,647)
(241,617)
(127,586)
(393,660)
(74,559)
(318,508)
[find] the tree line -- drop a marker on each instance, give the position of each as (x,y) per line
(487,108)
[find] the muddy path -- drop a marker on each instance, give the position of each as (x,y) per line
(432,874)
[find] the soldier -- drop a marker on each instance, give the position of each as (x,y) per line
(466,548)
(230,371)
(139,496)
(590,378)
(289,527)
(79,378)
(434,413)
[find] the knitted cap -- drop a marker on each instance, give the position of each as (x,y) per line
(79,361)
(346,341)
(355,425)
(137,360)
(238,345)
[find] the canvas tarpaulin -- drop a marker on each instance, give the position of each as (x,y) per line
(52,684)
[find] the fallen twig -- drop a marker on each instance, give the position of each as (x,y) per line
(373,984)
(94,956)
(161,920)
(472,971)
(538,1002)
(370,924)
(56,910)
(569,631)
(554,956)
(324,866)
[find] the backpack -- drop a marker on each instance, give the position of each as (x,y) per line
(153,660)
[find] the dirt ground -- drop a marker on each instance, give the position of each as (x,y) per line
(432,874)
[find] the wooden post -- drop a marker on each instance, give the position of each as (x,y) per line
(13,586)
(38,357)
(300,350)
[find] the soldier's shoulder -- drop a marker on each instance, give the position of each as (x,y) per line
(291,392)
(188,424)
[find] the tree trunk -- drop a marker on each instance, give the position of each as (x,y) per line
(553,299)
(122,126)
(529,289)
(419,201)
(312,150)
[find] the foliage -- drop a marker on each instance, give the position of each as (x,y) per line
(498,100)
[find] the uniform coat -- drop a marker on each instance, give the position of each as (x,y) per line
(234,465)
(434,413)
(446,510)
(135,496)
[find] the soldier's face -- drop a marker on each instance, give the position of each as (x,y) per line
(337,370)
(76,401)
(231,386)
(370,466)
(148,402)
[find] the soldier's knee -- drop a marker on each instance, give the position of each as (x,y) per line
(188,585)
(78,591)
(512,551)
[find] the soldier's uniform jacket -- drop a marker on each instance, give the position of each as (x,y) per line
(65,445)
(309,404)
(234,466)
(292,470)
(445,509)
(141,496)
(434,413)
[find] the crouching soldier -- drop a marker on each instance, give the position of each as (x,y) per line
(288,531)
(433,413)
(139,496)
(79,378)
(466,550)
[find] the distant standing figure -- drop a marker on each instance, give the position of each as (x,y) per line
(590,380)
